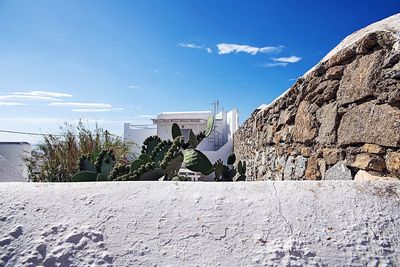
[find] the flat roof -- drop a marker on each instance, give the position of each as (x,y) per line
(14,143)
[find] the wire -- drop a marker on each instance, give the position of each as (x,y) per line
(43,134)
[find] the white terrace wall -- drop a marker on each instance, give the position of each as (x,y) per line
(294,223)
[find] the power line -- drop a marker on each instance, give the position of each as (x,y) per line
(46,134)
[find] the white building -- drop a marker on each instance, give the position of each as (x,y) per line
(12,155)
(219,145)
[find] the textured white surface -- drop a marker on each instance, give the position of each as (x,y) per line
(330,223)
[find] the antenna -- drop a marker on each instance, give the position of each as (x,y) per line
(215,105)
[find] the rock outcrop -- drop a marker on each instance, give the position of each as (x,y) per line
(346,109)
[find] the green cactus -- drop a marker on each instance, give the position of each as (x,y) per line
(210,126)
(200,136)
(136,164)
(198,162)
(149,144)
(159,152)
(173,167)
(84,176)
(175,131)
(118,171)
(223,173)
(85,164)
(231,159)
(219,169)
(193,140)
(105,162)
(101,177)
(146,158)
(242,171)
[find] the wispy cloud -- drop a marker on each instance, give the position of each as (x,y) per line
(86,107)
(274,64)
(133,86)
(11,104)
(224,49)
(292,59)
(145,116)
(34,96)
(81,105)
(194,46)
(43,94)
(96,109)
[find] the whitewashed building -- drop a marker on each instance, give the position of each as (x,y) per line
(12,156)
(219,145)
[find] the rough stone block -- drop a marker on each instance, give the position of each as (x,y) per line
(327,116)
(393,163)
(305,123)
(370,123)
(368,162)
(339,171)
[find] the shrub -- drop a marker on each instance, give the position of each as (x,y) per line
(56,156)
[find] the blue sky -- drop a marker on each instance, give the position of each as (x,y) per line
(125,61)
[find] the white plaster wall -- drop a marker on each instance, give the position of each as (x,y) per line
(136,136)
(14,152)
(302,223)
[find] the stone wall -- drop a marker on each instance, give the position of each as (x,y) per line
(341,117)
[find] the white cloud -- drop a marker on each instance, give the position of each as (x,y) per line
(11,104)
(274,64)
(43,94)
(292,59)
(145,116)
(194,46)
(34,96)
(133,86)
(82,105)
(95,109)
(224,49)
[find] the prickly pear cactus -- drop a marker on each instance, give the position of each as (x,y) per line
(196,161)
(231,159)
(85,164)
(118,171)
(241,170)
(84,176)
(175,131)
(193,140)
(219,169)
(149,144)
(160,150)
(210,126)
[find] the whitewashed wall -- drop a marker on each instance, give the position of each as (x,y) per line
(330,223)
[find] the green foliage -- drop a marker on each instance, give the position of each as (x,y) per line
(223,173)
(149,144)
(136,164)
(241,170)
(219,169)
(85,176)
(56,156)
(231,159)
(196,161)
(146,158)
(193,139)
(101,177)
(210,126)
(85,163)
(159,152)
(175,131)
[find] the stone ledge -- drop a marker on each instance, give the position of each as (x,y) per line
(333,223)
